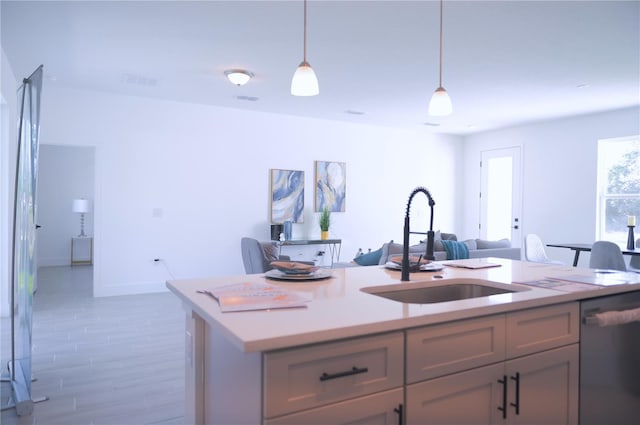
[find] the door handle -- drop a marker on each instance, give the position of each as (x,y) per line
(503,409)
(399,411)
(515,227)
(517,403)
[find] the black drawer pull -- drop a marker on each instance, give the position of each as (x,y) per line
(354,371)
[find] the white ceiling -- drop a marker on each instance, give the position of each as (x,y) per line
(505,62)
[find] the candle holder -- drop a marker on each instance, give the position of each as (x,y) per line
(631,241)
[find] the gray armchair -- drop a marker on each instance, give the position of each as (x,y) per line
(257,256)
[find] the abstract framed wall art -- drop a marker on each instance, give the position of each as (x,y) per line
(330,186)
(287,196)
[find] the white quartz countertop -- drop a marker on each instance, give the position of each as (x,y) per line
(338,308)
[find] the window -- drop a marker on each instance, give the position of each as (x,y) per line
(618,187)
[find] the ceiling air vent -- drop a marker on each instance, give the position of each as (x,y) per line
(139,80)
(248,98)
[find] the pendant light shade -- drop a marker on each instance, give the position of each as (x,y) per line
(304,82)
(440,104)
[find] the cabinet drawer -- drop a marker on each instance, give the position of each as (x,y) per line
(442,349)
(377,408)
(316,375)
(540,329)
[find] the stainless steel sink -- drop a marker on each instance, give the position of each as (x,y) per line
(430,292)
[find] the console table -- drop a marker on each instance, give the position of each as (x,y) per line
(333,244)
(81,250)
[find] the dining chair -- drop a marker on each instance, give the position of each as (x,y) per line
(634,262)
(257,256)
(534,250)
(606,255)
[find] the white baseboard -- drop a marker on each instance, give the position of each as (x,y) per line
(129,289)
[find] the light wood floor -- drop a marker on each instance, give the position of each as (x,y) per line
(112,360)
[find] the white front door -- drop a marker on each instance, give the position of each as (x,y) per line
(500,196)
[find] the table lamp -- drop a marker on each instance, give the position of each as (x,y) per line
(81,206)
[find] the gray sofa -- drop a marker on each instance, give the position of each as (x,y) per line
(478,248)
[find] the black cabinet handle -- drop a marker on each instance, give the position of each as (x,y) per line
(354,371)
(503,409)
(517,403)
(398,410)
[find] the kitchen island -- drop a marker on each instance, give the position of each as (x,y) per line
(351,355)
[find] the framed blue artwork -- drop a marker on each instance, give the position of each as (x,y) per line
(331,186)
(287,196)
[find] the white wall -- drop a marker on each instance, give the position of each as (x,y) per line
(65,173)
(205,172)
(8,101)
(559,174)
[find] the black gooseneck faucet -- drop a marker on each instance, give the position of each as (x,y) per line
(430,235)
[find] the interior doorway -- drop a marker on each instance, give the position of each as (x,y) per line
(501,195)
(65,174)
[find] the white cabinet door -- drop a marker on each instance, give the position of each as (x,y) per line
(471,397)
(377,409)
(543,387)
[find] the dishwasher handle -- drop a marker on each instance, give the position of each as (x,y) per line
(613,318)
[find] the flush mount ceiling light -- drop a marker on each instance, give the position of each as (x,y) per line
(304,82)
(440,104)
(239,77)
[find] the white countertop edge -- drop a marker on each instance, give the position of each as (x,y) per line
(457,310)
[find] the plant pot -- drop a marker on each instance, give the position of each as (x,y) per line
(324,235)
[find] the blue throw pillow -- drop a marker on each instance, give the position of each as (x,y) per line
(370,258)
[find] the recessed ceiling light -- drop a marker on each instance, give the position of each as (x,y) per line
(239,77)
(471,126)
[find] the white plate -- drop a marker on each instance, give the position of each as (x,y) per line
(317,275)
(430,267)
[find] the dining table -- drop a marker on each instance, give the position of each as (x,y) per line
(586,247)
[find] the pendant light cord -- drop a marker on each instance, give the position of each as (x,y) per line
(441,7)
(304,56)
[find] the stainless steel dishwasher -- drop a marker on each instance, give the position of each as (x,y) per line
(610,360)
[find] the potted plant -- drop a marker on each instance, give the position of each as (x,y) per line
(325,222)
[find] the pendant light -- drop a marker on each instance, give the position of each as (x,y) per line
(304,82)
(440,104)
